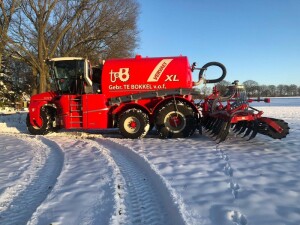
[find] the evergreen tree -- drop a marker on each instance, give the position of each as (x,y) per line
(7,95)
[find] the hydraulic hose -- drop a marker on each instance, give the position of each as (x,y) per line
(211,80)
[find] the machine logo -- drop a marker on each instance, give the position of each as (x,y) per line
(158,70)
(172,78)
(122,75)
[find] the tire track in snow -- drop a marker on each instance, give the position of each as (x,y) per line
(147,198)
(35,182)
(84,191)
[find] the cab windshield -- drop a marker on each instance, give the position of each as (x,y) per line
(68,76)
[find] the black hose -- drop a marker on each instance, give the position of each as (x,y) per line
(213,64)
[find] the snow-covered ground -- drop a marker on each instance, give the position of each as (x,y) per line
(100,178)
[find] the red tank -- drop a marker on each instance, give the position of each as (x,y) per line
(135,75)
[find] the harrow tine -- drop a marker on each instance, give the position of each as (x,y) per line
(234,125)
(211,124)
(249,129)
(237,127)
(255,130)
(244,127)
(222,127)
(223,132)
(206,121)
(217,127)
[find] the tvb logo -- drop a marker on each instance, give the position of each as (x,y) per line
(122,75)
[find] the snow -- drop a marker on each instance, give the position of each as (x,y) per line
(101,178)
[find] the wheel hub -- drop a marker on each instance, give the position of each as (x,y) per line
(132,125)
(175,121)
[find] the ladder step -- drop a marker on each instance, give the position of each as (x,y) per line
(76,118)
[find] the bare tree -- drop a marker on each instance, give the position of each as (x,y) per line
(264,91)
(272,90)
(292,90)
(29,34)
(108,29)
(251,87)
(7,9)
(49,28)
(281,91)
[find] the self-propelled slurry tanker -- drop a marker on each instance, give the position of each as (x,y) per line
(137,94)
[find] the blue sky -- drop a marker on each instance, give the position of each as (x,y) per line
(255,39)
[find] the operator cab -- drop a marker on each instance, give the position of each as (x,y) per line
(71,75)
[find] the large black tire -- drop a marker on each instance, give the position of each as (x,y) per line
(134,123)
(175,121)
(44,129)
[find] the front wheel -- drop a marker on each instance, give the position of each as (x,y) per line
(134,123)
(44,129)
(176,120)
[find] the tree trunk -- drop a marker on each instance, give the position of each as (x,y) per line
(0,60)
(43,81)
(34,85)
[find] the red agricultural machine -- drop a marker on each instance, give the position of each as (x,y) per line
(233,112)
(137,94)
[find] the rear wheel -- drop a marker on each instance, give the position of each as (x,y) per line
(134,123)
(44,129)
(176,120)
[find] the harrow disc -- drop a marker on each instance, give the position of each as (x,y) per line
(219,128)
